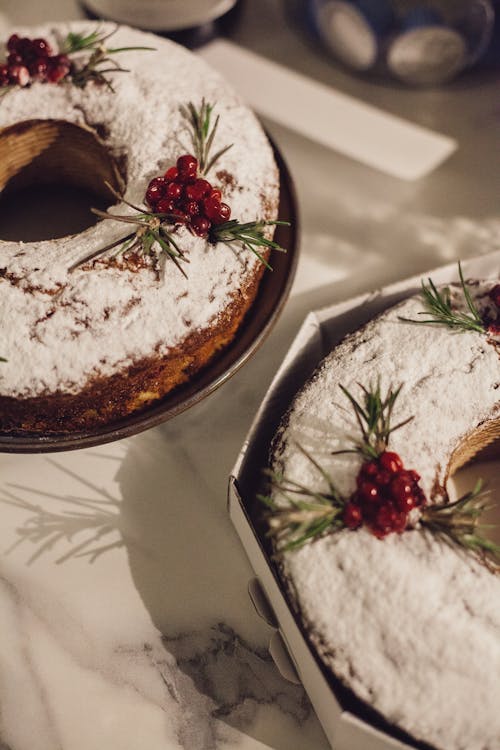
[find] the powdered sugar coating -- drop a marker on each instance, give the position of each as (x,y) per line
(106,319)
(410,625)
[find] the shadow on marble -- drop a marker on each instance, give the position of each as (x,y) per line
(47,530)
(190,573)
(193,576)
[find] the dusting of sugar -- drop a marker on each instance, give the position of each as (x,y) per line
(408,623)
(106,319)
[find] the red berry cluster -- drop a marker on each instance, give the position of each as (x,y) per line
(31,60)
(494,295)
(191,199)
(386,493)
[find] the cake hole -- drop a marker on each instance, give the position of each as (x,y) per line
(52,173)
(484,466)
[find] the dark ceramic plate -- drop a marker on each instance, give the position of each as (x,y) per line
(273,293)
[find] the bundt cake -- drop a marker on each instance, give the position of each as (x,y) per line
(100,324)
(393,582)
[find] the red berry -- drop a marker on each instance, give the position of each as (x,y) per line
(399,522)
(382,478)
(4,75)
(12,43)
(401,488)
(494,329)
(41,47)
(187,166)
(216,211)
(39,68)
(369,469)
(153,195)
(15,59)
(224,214)
(165,206)
(191,207)
(172,190)
(171,174)
(388,520)
(156,190)
(352,516)
(495,295)
(59,67)
(200,225)
(384,520)
(211,207)
(19,74)
(198,190)
(24,47)
(159,182)
(368,492)
(216,194)
(390,461)
(405,503)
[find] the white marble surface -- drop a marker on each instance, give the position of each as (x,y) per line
(125,619)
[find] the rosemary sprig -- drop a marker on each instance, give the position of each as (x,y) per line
(2,359)
(307,514)
(99,63)
(251,235)
(202,133)
(458,523)
(149,236)
(373,416)
(439,308)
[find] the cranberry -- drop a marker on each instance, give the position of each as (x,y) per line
(388,520)
(153,195)
(171,174)
(384,520)
(368,492)
(39,68)
(382,478)
(399,522)
(390,461)
(187,166)
(198,190)
(12,43)
(494,329)
(192,208)
(200,225)
(495,295)
(165,206)
(41,47)
(401,486)
(15,59)
(224,214)
(4,75)
(216,194)
(405,503)
(24,47)
(19,74)
(59,67)
(352,516)
(173,189)
(369,469)
(215,210)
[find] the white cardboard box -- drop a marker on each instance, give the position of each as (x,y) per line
(320,331)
